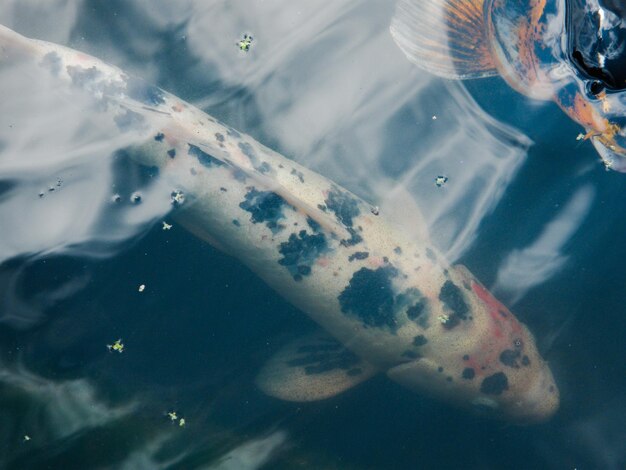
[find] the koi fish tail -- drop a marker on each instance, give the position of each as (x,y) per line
(447,38)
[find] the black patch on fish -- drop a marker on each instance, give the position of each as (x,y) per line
(159,137)
(440,369)
(130,120)
(525,361)
(354,239)
(502,313)
(204,158)
(299,174)
(322,207)
(370,297)
(449,379)
(468,373)
(264,167)
(509,358)
(232,132)
(82,77)
(52,62)
(415,310)
(397,250)
(495,384)
(452,298)
(248,151)
(265,206)
(144,92)
(419,340)
(219,137)
(236,223)
(345,206)
(300,252)
(239,174)
(430,254)
(466,357)
(171,153)
(358,255)
(411,354)
(223,189)
(313,224)
(354,371)
(320,361)
(415,304)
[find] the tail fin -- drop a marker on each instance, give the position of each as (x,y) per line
(444,37)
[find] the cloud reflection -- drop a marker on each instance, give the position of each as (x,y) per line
(252,454)
(54,409)
(528,267)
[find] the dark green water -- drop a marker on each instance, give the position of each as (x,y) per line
(324,84)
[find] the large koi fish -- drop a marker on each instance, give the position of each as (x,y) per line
(570,51)
(388,302)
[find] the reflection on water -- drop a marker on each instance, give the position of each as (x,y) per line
(328,87)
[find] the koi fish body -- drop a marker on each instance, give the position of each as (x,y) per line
(390,303)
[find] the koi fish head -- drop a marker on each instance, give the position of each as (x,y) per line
(487,362)
(571,51)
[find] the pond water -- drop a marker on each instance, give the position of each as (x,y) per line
(526,207)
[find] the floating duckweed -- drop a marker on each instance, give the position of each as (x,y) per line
(245,43)
(118,346)
(443,318)
(441,180)
(178,198)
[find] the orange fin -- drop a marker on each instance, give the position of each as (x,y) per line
(447,38)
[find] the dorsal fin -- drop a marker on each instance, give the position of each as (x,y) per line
(444,37)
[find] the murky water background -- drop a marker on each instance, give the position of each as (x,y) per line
(530,211)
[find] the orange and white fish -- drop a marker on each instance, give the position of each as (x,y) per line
(388,302)
(570,51)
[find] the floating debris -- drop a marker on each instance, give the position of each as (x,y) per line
(441,180)
(580,136)
(375,210)
(443,318)
(177,197)
(173,416)
(142,288)
(434,117)
(26,438)
(166,226)
(245,44)
(117,346)
(41,194)
(116,198)
(135,198)
(181,423)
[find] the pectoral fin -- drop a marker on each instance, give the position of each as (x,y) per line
(425,376)
(444,37)
(313,368)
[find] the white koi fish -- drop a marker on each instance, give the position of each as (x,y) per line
(388,302)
